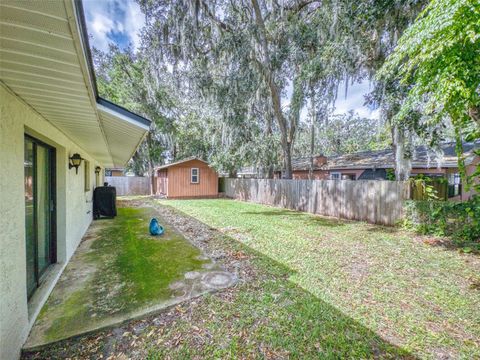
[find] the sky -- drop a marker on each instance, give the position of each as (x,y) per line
(116,21)
(120,21)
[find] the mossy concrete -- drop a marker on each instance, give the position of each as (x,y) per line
(120,272)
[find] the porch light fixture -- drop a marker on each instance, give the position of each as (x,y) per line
(75,161)
(97,170)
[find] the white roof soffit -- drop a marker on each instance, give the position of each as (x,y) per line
(123,129)
(45,60)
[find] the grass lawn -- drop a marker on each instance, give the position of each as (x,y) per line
(118,270)
(308,288)
(331,289)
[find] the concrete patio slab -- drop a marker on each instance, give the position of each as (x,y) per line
(119,272)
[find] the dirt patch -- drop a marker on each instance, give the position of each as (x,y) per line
(204,237)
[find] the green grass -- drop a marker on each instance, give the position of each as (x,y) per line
(147,265)
(331,289)
(133,270)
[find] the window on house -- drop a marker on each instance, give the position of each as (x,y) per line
(335,176)
(87,175)
(454,185)
(195,176)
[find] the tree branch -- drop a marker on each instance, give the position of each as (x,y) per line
(299,6)
(216,20)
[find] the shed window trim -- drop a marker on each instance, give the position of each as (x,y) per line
(335,175)
(195,175)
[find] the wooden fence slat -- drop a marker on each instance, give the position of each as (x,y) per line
(129,185)
(374,201)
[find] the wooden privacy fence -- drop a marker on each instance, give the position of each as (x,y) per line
(130,185)
(379,202)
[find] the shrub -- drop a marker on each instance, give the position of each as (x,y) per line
(458,220)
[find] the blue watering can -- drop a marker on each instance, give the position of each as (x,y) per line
(156,228)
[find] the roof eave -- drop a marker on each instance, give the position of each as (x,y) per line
(166,166)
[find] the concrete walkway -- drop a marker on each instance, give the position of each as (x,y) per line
(119,272)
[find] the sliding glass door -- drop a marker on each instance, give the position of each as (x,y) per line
(39,167)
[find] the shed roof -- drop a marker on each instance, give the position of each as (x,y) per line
(180,162)
(45,60)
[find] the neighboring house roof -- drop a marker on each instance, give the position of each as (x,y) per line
(423,157)
(180,162)
(303,163)
(249,171)
(45,60)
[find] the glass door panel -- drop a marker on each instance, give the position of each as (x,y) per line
(29,216)
(39,210)
(43,207)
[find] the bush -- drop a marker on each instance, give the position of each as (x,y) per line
(458,220)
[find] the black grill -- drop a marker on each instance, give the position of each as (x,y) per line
(104,202)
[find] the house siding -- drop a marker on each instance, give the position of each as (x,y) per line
(324,174)
(74,215)
(179,182)
(162,182)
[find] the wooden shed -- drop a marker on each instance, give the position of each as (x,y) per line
(188,178)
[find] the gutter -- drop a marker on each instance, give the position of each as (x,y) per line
(103,104)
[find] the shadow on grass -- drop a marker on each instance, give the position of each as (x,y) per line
(384,229)
(321,221)
(270,313)
(294,319)
(308,218)
(273,212)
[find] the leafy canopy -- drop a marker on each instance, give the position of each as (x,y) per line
(438,59)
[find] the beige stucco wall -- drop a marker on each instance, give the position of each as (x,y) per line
(74,214)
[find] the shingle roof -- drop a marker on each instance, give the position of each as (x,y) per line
(423,157)
(303,163)
(180,162)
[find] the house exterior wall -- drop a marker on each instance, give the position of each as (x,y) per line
(433,171)
(179,181)
(303,174)
(325,174)
(74,214)
(470,169)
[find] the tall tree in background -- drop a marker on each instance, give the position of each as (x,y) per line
(233,58)
(437,65)
(252,54)
(227,81)
(121,78)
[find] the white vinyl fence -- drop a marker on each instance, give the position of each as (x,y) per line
(130,185)
(379,202)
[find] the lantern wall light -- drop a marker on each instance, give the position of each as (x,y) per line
(75,161)
(97,170)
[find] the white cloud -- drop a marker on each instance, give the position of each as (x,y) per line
(135,23)
(113,21)
(354,100)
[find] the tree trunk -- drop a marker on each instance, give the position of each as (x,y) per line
(269,164)
(403,164)
(312,130)
(287,160)
(151,172)
(274,92)
(474,113)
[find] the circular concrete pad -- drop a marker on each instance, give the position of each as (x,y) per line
(208,266)
(191,275)
(177,285)
(218,279)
